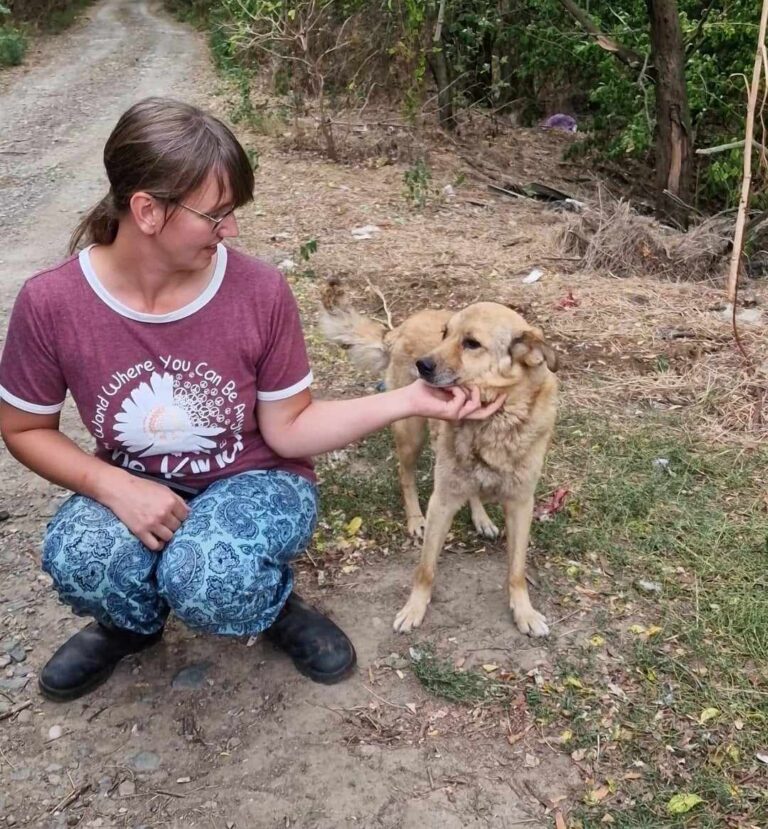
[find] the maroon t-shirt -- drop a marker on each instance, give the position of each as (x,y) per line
(169,395)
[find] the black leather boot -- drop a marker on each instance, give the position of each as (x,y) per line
(88,658)
(319,648)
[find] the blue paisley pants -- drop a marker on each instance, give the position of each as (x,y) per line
(226,570)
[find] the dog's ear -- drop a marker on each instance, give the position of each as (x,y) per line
(532,349)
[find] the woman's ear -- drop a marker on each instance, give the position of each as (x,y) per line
(147,213)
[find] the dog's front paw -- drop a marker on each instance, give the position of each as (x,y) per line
(485,528)
(416,526)
(411,616)
(531,622)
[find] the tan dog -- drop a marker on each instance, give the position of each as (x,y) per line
(489,346)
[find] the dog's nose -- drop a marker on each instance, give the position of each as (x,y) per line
(425,366)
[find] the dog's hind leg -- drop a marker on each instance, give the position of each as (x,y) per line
(440,514)
(518,515)
(482,521)
(409,440)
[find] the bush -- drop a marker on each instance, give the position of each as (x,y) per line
(13,45)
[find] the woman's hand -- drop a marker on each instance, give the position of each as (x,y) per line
(152,512)
(450,403)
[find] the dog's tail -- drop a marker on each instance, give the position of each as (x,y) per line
(361,336)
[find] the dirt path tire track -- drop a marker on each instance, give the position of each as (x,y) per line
(56,117)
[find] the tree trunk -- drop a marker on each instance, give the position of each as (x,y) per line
(439,67)
(674,170)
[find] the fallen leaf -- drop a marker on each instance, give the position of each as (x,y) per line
(490,668)
(654,630)
(566,736)
(572,682)
(353,528)
(637,629)
(679,804)
(597,641)
(593,797)
(531,761)
(411,706)
(708,714)
(762,756)
(560,820)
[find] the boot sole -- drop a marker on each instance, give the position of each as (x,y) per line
(326,679)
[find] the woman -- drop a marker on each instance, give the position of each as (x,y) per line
(187,364)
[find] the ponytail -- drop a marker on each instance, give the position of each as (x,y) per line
(98,226)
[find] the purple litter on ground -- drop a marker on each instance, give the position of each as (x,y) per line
(560,122)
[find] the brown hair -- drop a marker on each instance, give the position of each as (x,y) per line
(166,148)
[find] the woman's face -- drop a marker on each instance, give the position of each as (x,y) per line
(198,223)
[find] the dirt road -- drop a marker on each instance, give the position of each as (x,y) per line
(199,731)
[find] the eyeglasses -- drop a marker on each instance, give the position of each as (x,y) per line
(214,220)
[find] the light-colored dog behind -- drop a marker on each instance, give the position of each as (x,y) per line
(489,346)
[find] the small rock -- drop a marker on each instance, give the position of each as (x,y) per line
(21,773)
(531,761)
(105,785)
(364,232)
(145,761)
(54,732)
(15,683)
(4,515)
(7,645)
(18,654)
(126,788)
(53,767)
(54,779)
(10,820)
(645,586)
(5,660)
(394,660)
(191,678)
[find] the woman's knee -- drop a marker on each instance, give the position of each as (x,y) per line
(221,587)
(80,542)
(93,558)
(274,511)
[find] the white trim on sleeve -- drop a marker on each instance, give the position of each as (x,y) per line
(26,406)
(282,394)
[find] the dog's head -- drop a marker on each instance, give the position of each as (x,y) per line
(490,346)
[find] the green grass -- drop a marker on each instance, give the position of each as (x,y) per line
(442,679)
(698,527)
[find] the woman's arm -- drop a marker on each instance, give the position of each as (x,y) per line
(151,511)
(300,427)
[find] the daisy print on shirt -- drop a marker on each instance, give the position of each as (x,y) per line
(181,412)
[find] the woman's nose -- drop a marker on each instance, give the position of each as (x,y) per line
(228,228)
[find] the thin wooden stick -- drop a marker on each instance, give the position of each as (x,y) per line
(738,238)
(15,710)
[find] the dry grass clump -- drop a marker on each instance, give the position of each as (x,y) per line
(612,237)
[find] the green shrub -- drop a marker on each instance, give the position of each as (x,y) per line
(13,45)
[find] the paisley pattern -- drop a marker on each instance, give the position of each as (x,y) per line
(225,571)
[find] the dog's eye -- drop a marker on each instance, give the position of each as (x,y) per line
(470,343)
(445,331)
